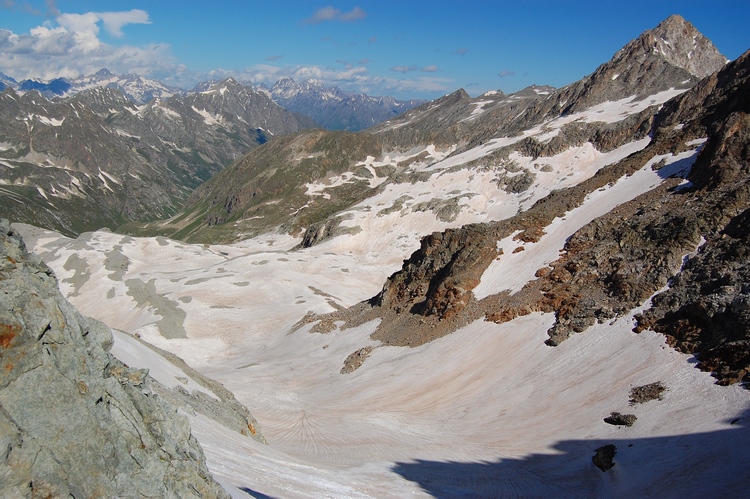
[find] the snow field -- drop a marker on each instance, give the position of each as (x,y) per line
(487,409)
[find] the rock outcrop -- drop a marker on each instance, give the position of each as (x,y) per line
(74,421)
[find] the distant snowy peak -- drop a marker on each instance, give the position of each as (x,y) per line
(334,108)
(230,101)
(137,88)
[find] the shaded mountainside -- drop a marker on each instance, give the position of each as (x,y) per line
(98,160)
(619,260)
(74,421)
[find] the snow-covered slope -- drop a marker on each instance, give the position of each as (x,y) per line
(488,410)
(591,206)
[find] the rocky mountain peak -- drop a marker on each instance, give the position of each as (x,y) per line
(682,45)
(674,46)
(672,56)
(104,73)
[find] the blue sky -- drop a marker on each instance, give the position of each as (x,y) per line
(408,49)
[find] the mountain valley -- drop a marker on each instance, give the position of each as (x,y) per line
(535,294)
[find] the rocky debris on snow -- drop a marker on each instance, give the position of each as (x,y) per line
(318,232)
(74,421)
(604,457)
(356,359)
(646,393)
(617,419)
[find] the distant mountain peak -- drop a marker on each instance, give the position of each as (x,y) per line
(104,73)
(679,43)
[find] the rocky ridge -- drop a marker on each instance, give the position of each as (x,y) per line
(453,125)
(74,421)
(673,55)
(618,261)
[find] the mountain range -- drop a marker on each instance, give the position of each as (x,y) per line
(329,107)
(535,294)
(335,109)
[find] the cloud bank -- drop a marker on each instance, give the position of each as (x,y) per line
(70,45)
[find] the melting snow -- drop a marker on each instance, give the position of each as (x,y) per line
(50,121)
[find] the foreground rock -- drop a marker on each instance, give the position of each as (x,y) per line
(74,421)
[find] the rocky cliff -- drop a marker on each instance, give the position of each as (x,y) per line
(74,421)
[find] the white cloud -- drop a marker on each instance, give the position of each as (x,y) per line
(329,13)
(71,46)
(114,21)
(430,69)
(404,69)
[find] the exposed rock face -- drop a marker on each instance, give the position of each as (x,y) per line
(707,308)
(73,420)
(619,260)
(438,278)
